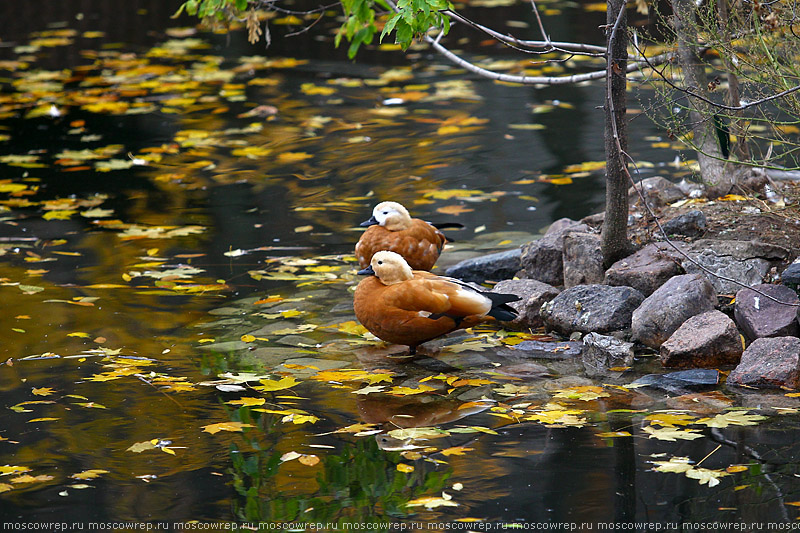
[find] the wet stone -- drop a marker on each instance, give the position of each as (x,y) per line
(759,316)
(592,308)
(769,362)
(707,340)
(543,350)
(647,269)
(681,381)
(533,294)
(226,311)
(267,356)
(225,347)
(663,312)
(525,370)
(601,353)
(297,340)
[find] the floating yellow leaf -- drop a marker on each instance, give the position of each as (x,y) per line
(248,401)
(308,460)
(226,426)
(456,450)
(406,469)
(293,157)
(45,419)
(311,89)
(672,434)
(732,418)
(610,434)
(89,474)
(584,393)
(740,468)
(43,391)
(7,469)
(270,385)
(408,391)
(670,419)
(432,502)
(247,338)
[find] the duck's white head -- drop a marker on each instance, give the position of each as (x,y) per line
(391,216)
(390,267)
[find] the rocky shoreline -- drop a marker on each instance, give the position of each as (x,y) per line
(707,299)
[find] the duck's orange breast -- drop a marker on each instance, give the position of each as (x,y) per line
(420,244)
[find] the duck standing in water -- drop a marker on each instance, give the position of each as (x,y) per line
(404,306)
(392,228)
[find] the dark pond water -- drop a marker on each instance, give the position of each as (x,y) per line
(178,340)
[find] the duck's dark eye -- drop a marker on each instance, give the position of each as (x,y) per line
(380,262)
(386,212)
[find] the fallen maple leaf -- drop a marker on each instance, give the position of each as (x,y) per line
(226,426)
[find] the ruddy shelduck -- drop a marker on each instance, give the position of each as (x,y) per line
(404,306)
(392,228)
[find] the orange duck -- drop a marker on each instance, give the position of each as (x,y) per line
(392,228)
(404,306)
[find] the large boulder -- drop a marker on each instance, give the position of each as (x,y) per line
(647,269)
(672,304)
(583,259)
(707,340)
(588,308)
(760,316)
(771,362)
(791,276)
(533,294)
(542,259)
(497,266)
(743,261)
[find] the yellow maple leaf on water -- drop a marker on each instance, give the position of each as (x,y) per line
(270,385)
(226,426)
(406,469)
(456,450)
(670,419)
(584,393)
(89,474)
(432,502)
(248,401)
(732,418)
(43,391)
(672,433)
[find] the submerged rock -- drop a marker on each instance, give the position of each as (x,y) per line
(770,363)
(583,259)
(681,381)
(542,259)
(663,312)
(647,269)
(533,294)
(501,265)
(602,352)
(707,340)
(591,308)
(543,350)
(759,316)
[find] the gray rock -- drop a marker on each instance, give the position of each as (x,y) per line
(791,276)
(647,269)
(501,265)
(759,316)
(681,381)
(658,191)
(591,308)
(707,340)
(744,261)
(690,224)
(769,363)
(542,259)
(601,353)
(583,259)
(542,350)
(533,294)
(679,299)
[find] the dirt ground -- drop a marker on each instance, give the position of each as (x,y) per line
(752,219)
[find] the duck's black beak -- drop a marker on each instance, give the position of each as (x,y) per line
(367,271)
(371,222)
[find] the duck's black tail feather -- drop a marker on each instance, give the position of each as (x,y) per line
(500,308)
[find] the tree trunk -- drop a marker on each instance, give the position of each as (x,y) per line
(615,244)
(701,114)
